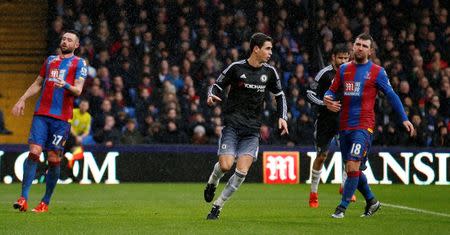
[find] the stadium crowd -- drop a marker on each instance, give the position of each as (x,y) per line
(150,63)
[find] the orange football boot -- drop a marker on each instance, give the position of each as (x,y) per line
(313,200)
(21,204)
(41,208)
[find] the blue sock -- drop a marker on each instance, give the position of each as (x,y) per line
(51,180)
(29,172)
(364,187)
(349,188)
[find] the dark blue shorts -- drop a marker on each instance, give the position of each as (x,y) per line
(49,133)
(355,144)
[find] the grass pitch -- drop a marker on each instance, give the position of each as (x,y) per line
(254,209)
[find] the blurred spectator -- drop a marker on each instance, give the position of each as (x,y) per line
(3,130)
(131,135)
(109,135)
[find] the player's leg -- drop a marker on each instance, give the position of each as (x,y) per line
(58,134)
(38,135)
(372,204)
(247,150)
(352,168)
(53,173)
(227,152)
(324,132)
(315,178)
(243,164)
(341,187)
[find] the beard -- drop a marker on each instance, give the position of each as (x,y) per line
(359,59)
(65,51)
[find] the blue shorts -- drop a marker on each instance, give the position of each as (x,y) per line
(49,133)
(355,144)
(232,142)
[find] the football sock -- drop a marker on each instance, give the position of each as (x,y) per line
(29,172)
(51,180)
(364,187)
(216,175)
(315,177)
(233,184)
(349,187)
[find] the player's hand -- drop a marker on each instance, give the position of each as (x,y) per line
(212,99)
(282,125)
(409,127)
(19,108)
(59,83)
(333,105)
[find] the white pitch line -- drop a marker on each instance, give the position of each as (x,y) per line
(415,209)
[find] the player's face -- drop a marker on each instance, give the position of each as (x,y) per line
(69,42)
(265,52)
(362,50)
(340,58)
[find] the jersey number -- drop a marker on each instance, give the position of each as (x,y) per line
(56,139)
(356,149)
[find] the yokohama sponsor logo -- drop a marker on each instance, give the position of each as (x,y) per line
(260,88)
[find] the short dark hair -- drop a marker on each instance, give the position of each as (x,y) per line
(340,48)
(366,36)
(258,39)
(73,32)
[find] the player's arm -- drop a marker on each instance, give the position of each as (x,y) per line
(80,76)
(314,88)
(385,86)
(216,89)
(19,107)
(276,88)
(330,96)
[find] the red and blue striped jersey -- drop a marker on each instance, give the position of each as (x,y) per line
(359,84)
(58,102)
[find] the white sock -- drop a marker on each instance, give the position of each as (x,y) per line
(216,175)
(233,184)
(315,178)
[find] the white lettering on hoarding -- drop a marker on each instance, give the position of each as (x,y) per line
(281,168)
(423,168)
(90,164)
(442,169)
(388,160)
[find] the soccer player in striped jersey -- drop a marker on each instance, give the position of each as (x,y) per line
(60,80)
(360,80)
(248,81)
(327,123)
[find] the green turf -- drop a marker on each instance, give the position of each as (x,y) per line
(254,209)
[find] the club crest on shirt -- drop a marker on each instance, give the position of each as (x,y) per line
(263,78)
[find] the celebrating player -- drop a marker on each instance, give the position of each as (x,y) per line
(248,80)
(360,80)
(61,78)
(327,122)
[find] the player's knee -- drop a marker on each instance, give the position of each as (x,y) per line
(352,166)
(33,157)
(53,158)
(36,150)
(224,166)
